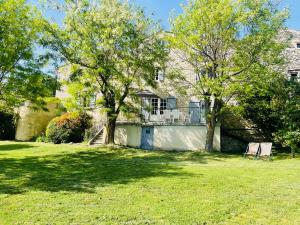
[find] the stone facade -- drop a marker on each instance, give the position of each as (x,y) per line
(164,90)
(292,53)
(33,122)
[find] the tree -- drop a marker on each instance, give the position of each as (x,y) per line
(114,44)
(82,91)
(264,107)
(289,133)
(231,46)
(21,77)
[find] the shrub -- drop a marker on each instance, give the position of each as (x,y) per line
(7,126)
(67,128)
(41,138)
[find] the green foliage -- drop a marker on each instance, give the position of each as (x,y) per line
(289,134)
(42,138)
(69,127)
(82,91)
(275,111)
(21,77)
(111,46)
(264,107)
(7,126)
(232,46)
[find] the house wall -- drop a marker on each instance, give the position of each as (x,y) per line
(32,122)
(168,137)
(128,135)
(185,137)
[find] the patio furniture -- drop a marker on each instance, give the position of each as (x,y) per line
(175,115)
(252,149)
(167,115)
(265,150)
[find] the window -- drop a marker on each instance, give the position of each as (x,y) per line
(156,75)
(163,106)
(154,106)
(294,76)
(159,75)
(298,45)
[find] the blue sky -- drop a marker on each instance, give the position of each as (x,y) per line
(162,9)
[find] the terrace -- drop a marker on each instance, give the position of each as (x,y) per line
(183,115)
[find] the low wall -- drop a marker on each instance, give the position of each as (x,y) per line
(187,137)
(128,135)
(32,123)
(168,137)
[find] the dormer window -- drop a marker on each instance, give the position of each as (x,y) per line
(298,45)
(159,74)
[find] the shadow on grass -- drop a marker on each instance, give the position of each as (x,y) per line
(83,171)
(10,147)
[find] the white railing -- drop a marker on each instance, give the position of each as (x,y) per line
(180,115)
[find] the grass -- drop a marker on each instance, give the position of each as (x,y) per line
(75,184)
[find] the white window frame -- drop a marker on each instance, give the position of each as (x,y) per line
(159,74)
(162,106)
(154,109)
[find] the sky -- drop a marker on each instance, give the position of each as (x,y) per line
(163,8)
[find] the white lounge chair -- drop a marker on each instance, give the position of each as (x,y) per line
(265,150)
(252,149)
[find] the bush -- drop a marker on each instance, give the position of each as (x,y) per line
(7,126)
(41,138)
(67,128)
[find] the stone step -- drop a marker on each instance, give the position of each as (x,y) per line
(99,140)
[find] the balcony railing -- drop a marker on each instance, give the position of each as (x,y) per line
(189,115)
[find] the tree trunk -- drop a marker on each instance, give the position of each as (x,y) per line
(210,132)
(210,123)
(293,152)
(110,129)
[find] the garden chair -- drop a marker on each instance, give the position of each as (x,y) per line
(175,114)
(167,116)
(252,149)
(266,150)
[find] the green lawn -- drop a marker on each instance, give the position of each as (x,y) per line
(73,184)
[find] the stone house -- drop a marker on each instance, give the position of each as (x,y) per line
(292,54)
(167,119)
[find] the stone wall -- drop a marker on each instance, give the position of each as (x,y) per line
(32,122)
